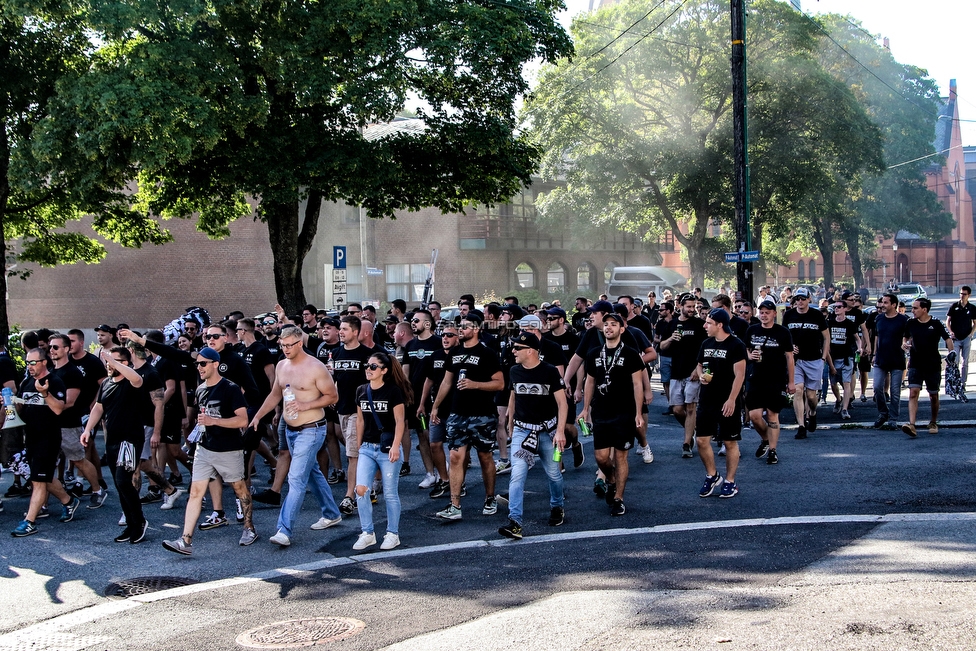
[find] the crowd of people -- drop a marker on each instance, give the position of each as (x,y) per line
(337,403)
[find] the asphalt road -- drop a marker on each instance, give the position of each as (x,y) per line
(815,549)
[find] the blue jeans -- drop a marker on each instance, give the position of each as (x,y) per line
(878,381)
(516,484)
(962,347)
(371,459)
(305,445)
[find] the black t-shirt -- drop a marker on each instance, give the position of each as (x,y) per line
(774,343)
(121,403)
(349,368)
(807,332)
(258,357)
(890,356)
(8,370)
(593,339)
(93,370)
(221,400)
(318,348)
(551,353)
(642,323)
(42,423)
(479,364)
(576,321)
(961,319)
(856,315)
(415,353)
(274,348)
(664,329)
(685,352)
(233,367)
(385,399)
(843,338)
(616,400)
(721,357)
(151,381)
(435,367)
(738,325)
(72,379)
(170,370)
(652,314)
(535,399)
(567,342)
(924,353)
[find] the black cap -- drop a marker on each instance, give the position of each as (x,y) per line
(105,328)
(526,339)
(613,316)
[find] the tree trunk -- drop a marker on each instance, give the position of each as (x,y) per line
(289,246)
(823,237)
(854,251)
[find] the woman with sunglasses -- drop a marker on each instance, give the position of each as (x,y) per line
(381,425)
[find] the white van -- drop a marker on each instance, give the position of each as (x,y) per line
(638,281)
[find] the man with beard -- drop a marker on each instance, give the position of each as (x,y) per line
(435,366)
(424,344)
(770,377)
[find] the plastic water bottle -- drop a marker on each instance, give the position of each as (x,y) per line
(291,410)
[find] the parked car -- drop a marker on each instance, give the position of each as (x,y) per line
(909,292)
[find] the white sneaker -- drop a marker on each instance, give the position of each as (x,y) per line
(280,539)
(169,501)
(428,481)
(365,540)
(325,523)
(390,541)
(648,455)
(638,449)
(122,522)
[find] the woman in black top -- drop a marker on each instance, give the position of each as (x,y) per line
(380,427)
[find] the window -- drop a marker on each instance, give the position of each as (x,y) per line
(556,279)
(354,285)
(348,215)
(812,270)
(525,276)
(585,275)
(800,274)
(406,281)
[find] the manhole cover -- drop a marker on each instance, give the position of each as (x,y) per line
(300,632)
(144,585)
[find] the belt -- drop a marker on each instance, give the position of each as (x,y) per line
(313,425)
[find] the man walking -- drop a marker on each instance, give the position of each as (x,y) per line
(924,362)
(811,346)
(683,346)
(770,349)
(961,323)
(891,329)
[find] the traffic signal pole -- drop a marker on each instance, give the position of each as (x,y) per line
(740,135)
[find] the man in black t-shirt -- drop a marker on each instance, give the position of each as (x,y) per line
(424,344)
(434,368)
(722,368)
(119,402)
(844,345)
(924,362)
(349,372)
(474,372)
(961,323)
(613,397)
(222,416)
(93,371)
(770,377)
(683,345)
(811,346)
(538,410)
(663,329)
(890,329)
(43,397)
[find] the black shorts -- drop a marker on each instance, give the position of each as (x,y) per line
(711,423)
(42,457)
(768,398)
(172,433)
(931,379)
(331,415)
(864,364)
(412,421)
(501,398)
(618,434)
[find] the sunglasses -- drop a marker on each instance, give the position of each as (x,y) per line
(34,362)
(215,336)
(374,367)
(520,347)
(269,323)
(202,364)
(52,347)
(448,335)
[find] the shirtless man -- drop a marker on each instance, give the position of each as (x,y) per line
(305,427)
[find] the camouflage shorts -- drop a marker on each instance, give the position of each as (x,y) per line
(476,431)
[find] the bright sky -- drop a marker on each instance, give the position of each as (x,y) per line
(934,36)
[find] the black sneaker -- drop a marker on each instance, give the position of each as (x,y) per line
(439,489)
(340,476)
(464,489)
(763,448)
(801,432)
(140,533)
(882,419)
(511,530)
(611,493)
(17,491)
(600,488)
(213,521)
(771,458)
(578,457)
(812,423)
(617,508)
(686,451)
(175,480)
(151,497)
(557,516)
(268,496)
(125,536)
(405,470)
(333,477)
(346,506)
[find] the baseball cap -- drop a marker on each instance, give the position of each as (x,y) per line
(721,317)
(513,309)
(530,320)
(801,292)
(391,319)
(846,295)
(208,354)
(767,305)
(613,316)
(601,306)
(557,311)
(526,339)
(105,328)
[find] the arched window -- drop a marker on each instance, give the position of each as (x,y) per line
(812,271)
(525,276)
(585,276)
(800,271)
(556,279)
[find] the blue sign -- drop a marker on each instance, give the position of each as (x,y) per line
(371,271)
(732,257)
(339,257)
(750,256)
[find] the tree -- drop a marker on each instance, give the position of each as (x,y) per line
(209,105)
(42,46)
(641,128)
